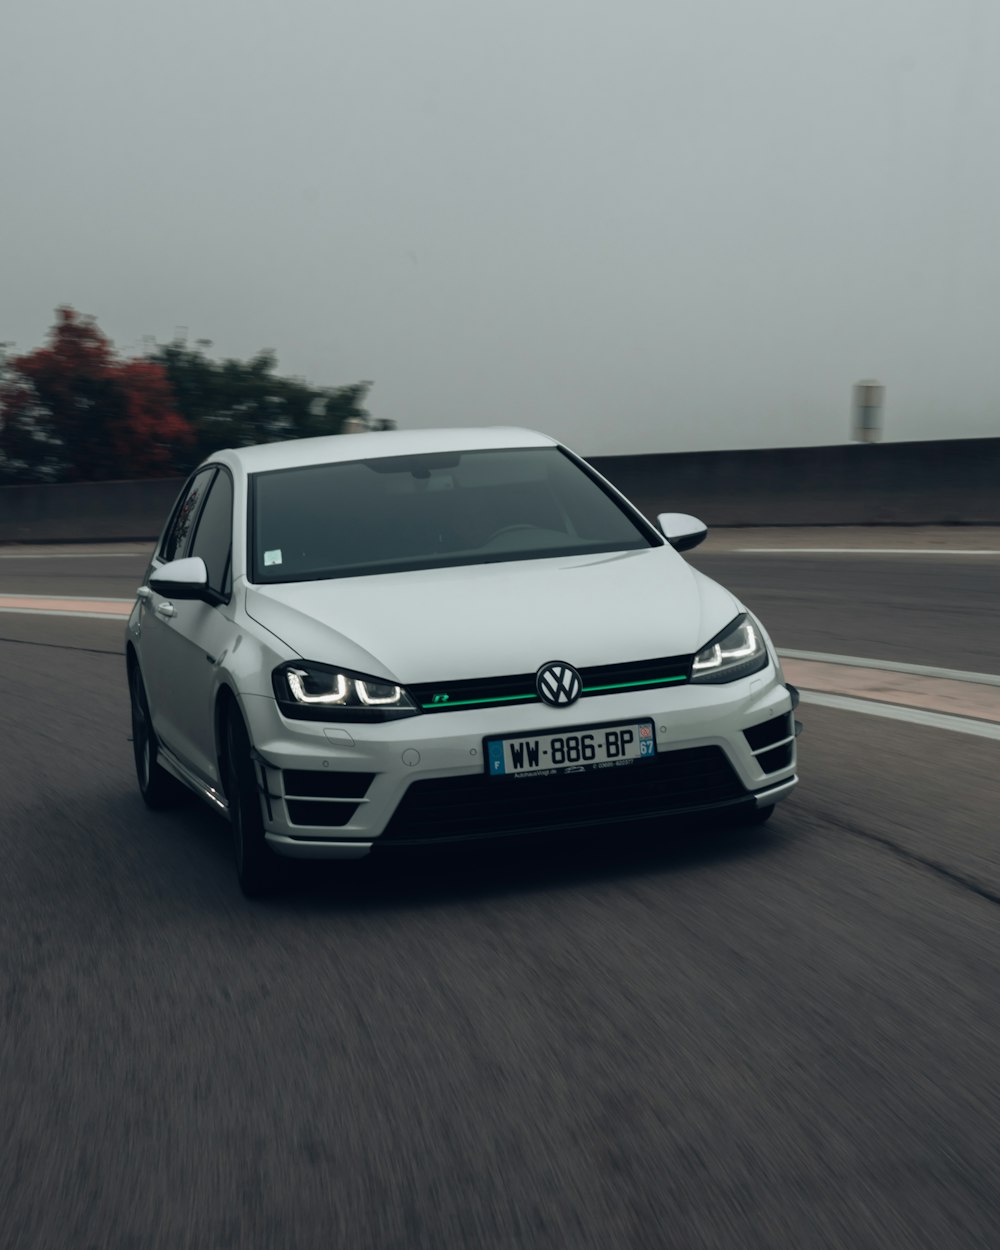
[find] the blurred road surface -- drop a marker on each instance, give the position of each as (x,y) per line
(781,1039)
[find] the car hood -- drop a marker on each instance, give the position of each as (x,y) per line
(499,619)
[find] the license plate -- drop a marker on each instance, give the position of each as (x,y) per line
(571,750)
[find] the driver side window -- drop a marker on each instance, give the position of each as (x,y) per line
(213,538)
(178,537)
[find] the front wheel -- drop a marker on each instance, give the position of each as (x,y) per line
(257,866)
(760,816)
(157,787)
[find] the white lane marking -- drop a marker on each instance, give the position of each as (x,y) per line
(72,555)
(915,716)
(862,551)
(66,598)
(892,666)
(81,616)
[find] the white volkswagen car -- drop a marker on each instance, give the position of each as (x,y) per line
(416,637)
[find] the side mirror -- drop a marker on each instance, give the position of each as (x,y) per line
(681,531)
(182,579)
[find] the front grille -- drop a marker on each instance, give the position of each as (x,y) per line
(317,797)
(771,742)
(778,757)
(769,732)
(326,784)
(479,806)
(452,696)
(319,813)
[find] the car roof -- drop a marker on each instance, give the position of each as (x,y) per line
(298,452)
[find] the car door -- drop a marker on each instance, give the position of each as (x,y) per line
(195,635)
(157,612)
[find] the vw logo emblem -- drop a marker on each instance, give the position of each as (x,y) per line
(558,683)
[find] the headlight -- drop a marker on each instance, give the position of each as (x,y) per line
(737,652)
(309,691)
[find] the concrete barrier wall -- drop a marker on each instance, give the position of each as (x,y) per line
(954,481)
(86,511)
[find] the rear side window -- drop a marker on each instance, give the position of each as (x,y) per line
(214,535)
(178,537)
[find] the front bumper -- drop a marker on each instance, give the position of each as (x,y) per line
(333,791)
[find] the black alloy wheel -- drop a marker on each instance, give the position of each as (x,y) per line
(157,787)
(257,866)
(760,816)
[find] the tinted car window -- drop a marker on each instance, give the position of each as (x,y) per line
(178,537)
(214,535)
(428,511)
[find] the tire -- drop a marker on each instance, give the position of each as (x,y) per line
(157,787)
(257,866)
(760,817)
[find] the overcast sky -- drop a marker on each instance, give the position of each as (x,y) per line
(635,224)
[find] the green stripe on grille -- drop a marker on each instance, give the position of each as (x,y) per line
(503,698)
(521,698)
(632,685)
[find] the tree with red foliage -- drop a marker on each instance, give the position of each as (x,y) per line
(74,411)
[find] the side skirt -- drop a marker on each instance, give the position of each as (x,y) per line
(208,794)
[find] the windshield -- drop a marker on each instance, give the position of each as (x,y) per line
(431,511)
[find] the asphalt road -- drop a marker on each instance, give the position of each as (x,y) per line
(784,1039)
(918,609)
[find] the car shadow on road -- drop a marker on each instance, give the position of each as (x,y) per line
(463,873)
(414,877)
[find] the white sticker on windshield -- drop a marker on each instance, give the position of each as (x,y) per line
(272,557)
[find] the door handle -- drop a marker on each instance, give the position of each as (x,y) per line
(165,609)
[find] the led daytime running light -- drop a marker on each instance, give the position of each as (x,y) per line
(719,655)
(296,684)
(374,700)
